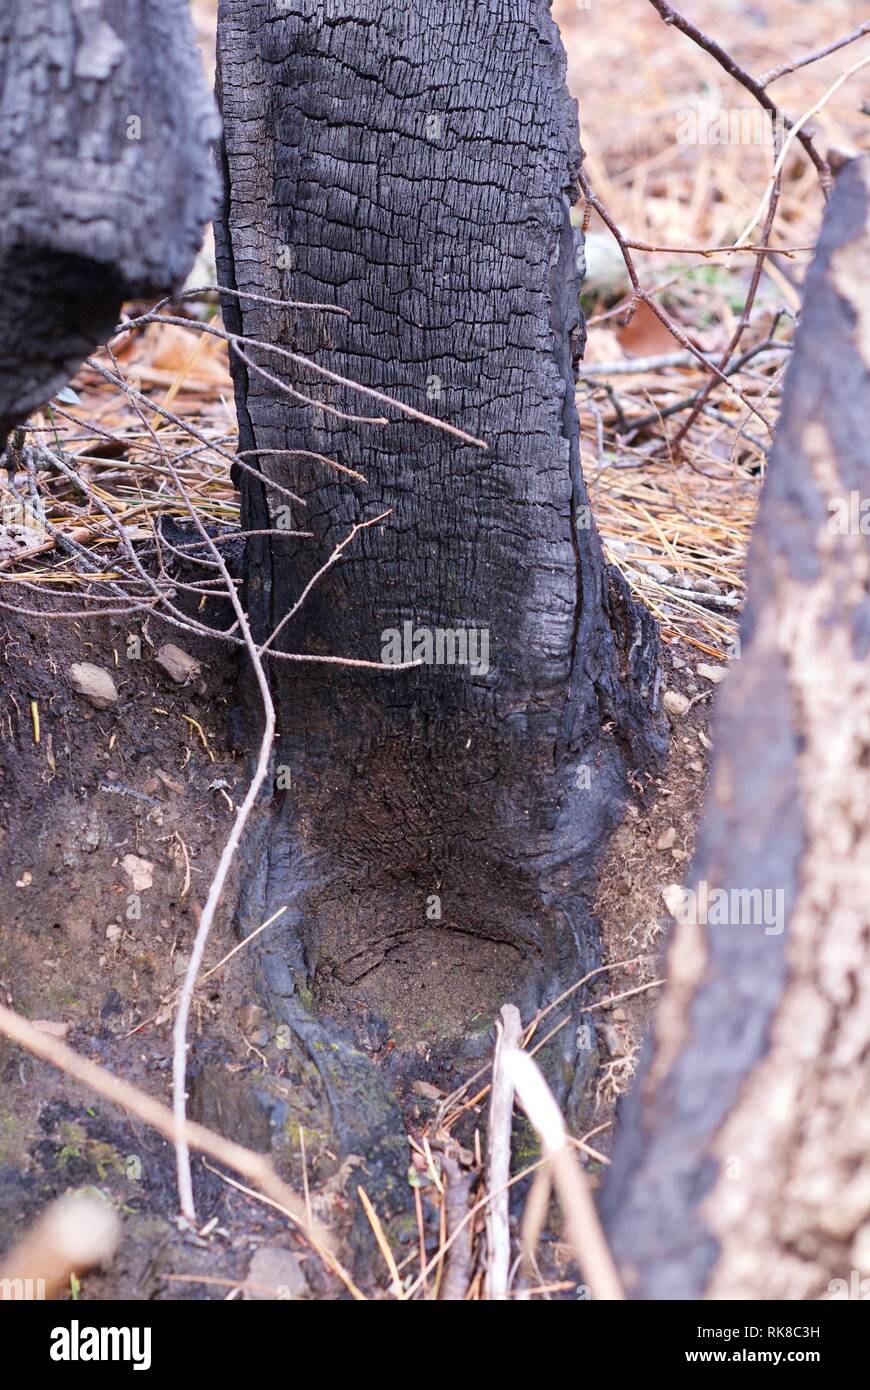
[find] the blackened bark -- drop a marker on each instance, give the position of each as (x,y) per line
(416,164)
(106,177)
(743,1166)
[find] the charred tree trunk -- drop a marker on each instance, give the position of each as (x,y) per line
(416,164)
(106,177)
(743,1168)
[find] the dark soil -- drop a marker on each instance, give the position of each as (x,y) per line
(78,948)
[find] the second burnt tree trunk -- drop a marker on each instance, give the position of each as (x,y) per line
(742,1169)
(416,164)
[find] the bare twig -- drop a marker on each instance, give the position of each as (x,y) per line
(458,1261)
(793,134)
(640,295)
(179,1061)
(594,1260)
(382,1242)
(509,1032)
(743,323)
(246,941)
(774,74)
(752,85)
(315,578)
(235,339)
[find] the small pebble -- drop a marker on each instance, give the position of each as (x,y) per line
(249,1017)
(426,1090)
(712,673)
(170,782)
(139,871)
(276,1274)
(94,684)
(180,964)
(675,703)
(177,664)
(666,839)
(658,573)
(674,897)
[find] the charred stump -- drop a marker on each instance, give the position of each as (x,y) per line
(438,830)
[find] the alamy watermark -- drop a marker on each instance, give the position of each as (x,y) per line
(26,515)
(736,125)
(732,907)
(78,1343)
(855,1288)
(849,516)
(22,1290)
(437,646)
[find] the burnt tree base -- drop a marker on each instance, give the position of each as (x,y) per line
(435,832)
(395,953)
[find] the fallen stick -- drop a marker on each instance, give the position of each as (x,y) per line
(458,1263)
(509,1033)
(591,1251)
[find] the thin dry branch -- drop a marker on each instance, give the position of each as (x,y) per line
(235,339)
(793,134)
(215,892)
(752,85)
(642,296)
(509,1032)
(774,74)
(594,1260)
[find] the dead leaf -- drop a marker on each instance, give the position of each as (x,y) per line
(646,336)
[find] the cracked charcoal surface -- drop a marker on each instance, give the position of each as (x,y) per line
(91,216)
(416,164)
